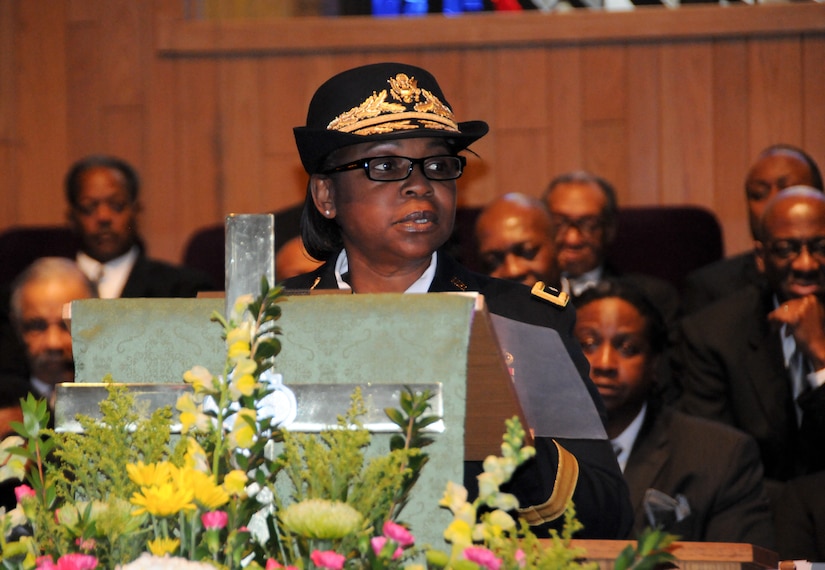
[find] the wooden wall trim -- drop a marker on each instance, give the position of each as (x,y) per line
(363,33)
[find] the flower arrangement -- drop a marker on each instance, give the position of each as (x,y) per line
(236,490)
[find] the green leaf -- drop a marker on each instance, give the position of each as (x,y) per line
(396,417)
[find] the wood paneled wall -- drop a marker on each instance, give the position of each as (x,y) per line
(671,105)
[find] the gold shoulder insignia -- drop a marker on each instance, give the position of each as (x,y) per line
(551,294)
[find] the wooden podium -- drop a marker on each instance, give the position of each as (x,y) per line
(690,555)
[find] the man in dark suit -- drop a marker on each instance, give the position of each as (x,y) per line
(583,209)
(696,478)
(102,194)
(777,167)
(756,360)
(800,519)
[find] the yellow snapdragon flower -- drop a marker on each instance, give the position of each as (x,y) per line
(234,482)
(201,380)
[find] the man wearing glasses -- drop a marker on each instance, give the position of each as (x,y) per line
(583,211)
(756,360)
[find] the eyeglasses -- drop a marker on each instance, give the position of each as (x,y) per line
(39,326)
(587,225)
(394,168)
(789,249)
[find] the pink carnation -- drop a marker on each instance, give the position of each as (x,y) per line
(328,559)
(43,562)
(23,491)
(399,534)
(482,557)
(378,543)
(214,520)
(67,562)
(86,545)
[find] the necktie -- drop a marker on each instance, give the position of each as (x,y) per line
(799,368)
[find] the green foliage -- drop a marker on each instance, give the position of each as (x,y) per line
(332,464)
(651,550)
(91,465)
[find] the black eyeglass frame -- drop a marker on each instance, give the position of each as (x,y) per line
(789,249)
(365,164)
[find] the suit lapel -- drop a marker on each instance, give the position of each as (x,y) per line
(765,366)
(648,458)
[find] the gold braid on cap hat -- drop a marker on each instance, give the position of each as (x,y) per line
(378,116)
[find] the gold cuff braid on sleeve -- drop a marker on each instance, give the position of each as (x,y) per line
(567,475)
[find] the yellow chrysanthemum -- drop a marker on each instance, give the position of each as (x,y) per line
(322,519)
(234,482)
(167,498)
(149,475)
(207,493)
(163,546)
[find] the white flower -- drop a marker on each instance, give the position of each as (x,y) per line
(150,562)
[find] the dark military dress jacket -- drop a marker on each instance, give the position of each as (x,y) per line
(582,467)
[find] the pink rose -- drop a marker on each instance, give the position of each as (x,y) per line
(399,534)
(23,491)
(328,559)
(214,520)
(378,543)
(482,557)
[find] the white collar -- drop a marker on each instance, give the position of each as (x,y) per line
(627,439)
(578,285)
(421,285)
(109,277)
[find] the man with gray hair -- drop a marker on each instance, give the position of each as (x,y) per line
(584,214)
(37,300)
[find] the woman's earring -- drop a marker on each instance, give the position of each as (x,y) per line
(326,212)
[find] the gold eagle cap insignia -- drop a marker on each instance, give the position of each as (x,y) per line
(406,106)
(550,294)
